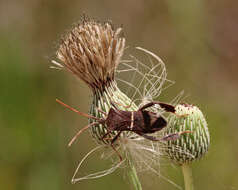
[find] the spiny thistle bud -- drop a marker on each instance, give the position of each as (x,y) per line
(191,146)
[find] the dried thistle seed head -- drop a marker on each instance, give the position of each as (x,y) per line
(92,51)
(191,146)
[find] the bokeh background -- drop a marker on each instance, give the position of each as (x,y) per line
(198,41)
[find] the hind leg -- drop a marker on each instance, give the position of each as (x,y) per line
(174,136)
(169,137)
(166,107)
(113,140)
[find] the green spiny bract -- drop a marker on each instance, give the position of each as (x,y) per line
(102,101)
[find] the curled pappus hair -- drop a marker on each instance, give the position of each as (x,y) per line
(143,154)
(92,52)
(148,76)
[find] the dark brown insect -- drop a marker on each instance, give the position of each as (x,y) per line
(141,122)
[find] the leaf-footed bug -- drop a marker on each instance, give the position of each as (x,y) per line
(141,122)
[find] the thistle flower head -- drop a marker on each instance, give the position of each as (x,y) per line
(192,146)
(92,51)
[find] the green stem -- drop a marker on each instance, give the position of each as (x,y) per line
(188,178)
(133,177)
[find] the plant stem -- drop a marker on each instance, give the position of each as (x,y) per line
(133,177)
(188,178)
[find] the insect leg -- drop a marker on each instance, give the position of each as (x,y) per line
(124,106)
(166,107)
(80,131)
(169,137)
(120,157)
(174,136)
(152,138)
(103,137)
(116,137)
(103,112)
(113,140)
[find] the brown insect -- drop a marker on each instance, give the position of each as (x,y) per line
(141,122)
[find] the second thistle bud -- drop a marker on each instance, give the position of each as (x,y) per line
(191,146)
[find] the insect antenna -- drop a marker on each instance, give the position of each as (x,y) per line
(99,121)
(80,131)
(78,112)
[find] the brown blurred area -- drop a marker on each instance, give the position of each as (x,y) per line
(196,39)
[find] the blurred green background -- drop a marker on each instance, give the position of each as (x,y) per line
(197,40)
